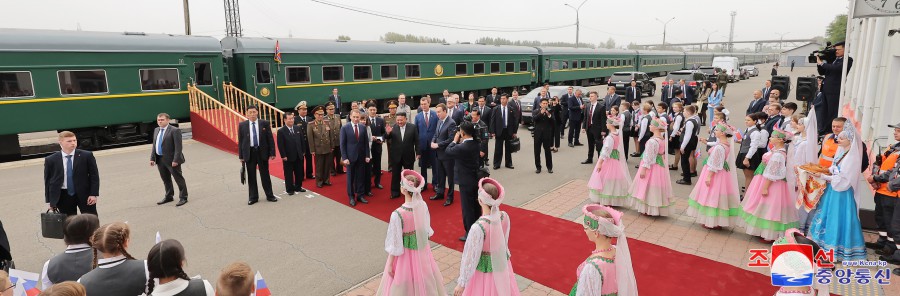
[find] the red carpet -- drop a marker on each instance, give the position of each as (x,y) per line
(548,250)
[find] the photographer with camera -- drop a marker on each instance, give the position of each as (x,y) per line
(482,135)
(543,135)
(830,63)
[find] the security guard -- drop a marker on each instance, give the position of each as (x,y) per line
(301,121)
(320,146)
(482,135)
(390,120)
(829,142)
(887,204)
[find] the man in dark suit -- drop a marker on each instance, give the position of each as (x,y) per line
(576,115)
(403,151)
(821,108)
(668,90)
(611,99)
(378,127)
(493,99)
(464,151)
(292,147)
(444,169)
(335,99)
(355,155)
(544,94)
(543,135)
(453,110)
(516,105)
(71,179)
(484,110)
(758,102)
(426,122)
(256,147)
(302,121)
(633,92)
(775,117)
(594,121)
(831,86)
(563,119)
(503,127)
(688,92)
(767,88)
(444,96)
(166,155)
(482,135)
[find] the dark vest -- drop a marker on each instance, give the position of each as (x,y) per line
(69,266)
(126,279)
(696,124)
(745,143)
(195,287)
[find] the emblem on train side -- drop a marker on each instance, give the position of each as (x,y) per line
(438,70)
(264,92)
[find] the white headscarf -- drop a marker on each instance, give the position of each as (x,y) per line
(850,164)
(499,250)
(613,227)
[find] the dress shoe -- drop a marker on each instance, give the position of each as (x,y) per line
(393,196)
(892,259)
(637,166)
(887,250)
(537,171)
(333,174)
(496,167)
(673,168)
(683,182)
(362,199)
(319,185)
(289,193)
(181,202)
(370,194)
(310,177)
(571,145)
(436,197)
(328,183)
(352,202)
(250,203)
(579,144)
(301,190)
(588,161)
(272,199)
(165,201)
(694,174)
(462,238)
(877,245)
(510,167)
(448,202)
(379,186)
(550,171)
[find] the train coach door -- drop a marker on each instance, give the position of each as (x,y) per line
(204,76)
(263,82)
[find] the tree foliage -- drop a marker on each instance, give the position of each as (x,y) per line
(837,29)
(343,37)
(504,41)
(397,37)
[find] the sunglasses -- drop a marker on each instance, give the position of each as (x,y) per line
(10,287)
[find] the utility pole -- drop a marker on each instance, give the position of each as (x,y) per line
(731,35)
(666,23)
(781,39)
(577,21)
(233,19)
(708,33)
(187,18)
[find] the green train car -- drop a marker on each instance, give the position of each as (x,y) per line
(106,87)
(660,63)
(310,69)
(583,66)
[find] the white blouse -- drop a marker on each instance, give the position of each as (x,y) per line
(716,160)
(589,281)
(393,242)
(608,143)
(776,168)
(473,248)
(174,287)
(651,150)
(758,140)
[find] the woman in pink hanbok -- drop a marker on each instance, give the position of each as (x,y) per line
(486,269)
(608,270)
(716,200)
(768,210)
(610,181)
(410,269)
(652,187)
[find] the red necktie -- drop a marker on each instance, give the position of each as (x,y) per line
(426,119)
(356,131)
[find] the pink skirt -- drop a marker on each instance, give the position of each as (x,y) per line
(768,216)
(652,195)
(483,284)
(718,204)
(609,186)
(407,281)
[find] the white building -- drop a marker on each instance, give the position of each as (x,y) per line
(798,55)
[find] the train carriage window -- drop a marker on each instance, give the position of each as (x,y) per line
(495,68)
(388,72)
(332,73)
(159,79)
(362,73)
(203,74)
(564,65)
(263,73)
(296,75)
(478,68)
(591,64)
(523,66)
(510,67)
(462,69)
(574,64)
(583,64)
(412,71)
(605,63)
(74,82)
(16,85)
(555,65)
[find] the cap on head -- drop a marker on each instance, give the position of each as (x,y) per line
(301,105)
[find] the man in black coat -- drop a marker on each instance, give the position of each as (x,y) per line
(404,149)
(503,127)
(831,86)
(611,99)
(633,92)
(292,146)
(335,100)
(543,135)
(167,156)
(355,155)
(464,151)
(71,178)
(256,147)
(576,114)
(594,122)
(821,108)
(443,135)
(482,135)
(492,99)
(302,121)
(758,102)
(377,126)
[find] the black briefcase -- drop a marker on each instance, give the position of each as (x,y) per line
(483,172)
(52,224)
(515,145)
(243,173)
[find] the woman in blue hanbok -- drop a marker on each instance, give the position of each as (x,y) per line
(835,224)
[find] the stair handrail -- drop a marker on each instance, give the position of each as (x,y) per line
(237,99)
(222,117)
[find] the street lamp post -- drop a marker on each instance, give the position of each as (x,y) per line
(666,23)
(577,21)
(708,33)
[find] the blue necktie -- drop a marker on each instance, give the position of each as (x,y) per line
(253,142)
(504,116)
(70,184)
(159,141)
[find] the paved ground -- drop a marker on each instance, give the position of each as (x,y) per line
(312,244)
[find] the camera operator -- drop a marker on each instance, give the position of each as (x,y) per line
(831,86)
(482,135)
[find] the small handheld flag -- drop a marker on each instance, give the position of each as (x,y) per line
(277,52)
(158,238)
(261,288)
(26,282)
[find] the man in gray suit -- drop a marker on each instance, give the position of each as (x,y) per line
(166,155)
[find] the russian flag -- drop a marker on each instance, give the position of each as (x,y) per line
(26,282)
(261,288)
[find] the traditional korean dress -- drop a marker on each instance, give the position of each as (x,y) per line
(652,195)
(609,183)
(719,203)
(769,216)
(835,223)
(485,269)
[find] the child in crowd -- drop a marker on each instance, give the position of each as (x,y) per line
(609,183)
(236,279)
(652,188)
(767,209)
(608,270)
(165,262)
(116,272)
(753,145)
(715,201)
(77,259)
(675,134)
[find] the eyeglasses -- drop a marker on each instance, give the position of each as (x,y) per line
(330,108)
(10,287)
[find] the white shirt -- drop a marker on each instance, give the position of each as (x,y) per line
(177,286)
(77,248)
(402,132)
(254,133)
(65,167)
(688,132)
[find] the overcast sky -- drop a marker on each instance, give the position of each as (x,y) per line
(623,20)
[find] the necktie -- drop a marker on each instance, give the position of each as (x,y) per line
(159,141)
(253,141)
(291,129)
(356,131)
(590,114)
(402,131)
(503,110)
(450,114)
(426,119)
(70,183)
(440,124)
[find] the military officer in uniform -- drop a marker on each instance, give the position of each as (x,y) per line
(320,146)
(302,120)
(334,121)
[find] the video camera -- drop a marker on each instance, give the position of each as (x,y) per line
(827,54)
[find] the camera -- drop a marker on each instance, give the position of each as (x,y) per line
(827,54)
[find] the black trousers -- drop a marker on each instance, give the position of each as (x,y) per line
(324,163)
(703,112)
(685,160)
(396,169)
(293,175)
(471,210)
(642,143)
(356,177)
(167,172)
(544,141)
(427,160)
(882,220)
(308,160)
(594,142)
(891,216)
(255,160)
(502,148)
(70,204)
(557,133)
(375,163)
(445,177)
(574,132)
(626,139)
(338,166)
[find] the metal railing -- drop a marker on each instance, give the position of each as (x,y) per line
(219,115)
(239,100)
